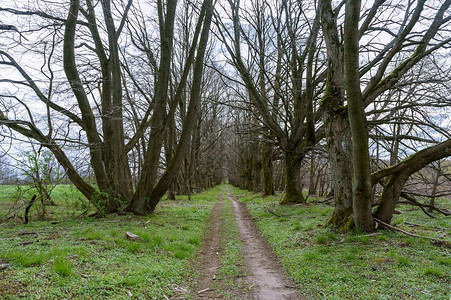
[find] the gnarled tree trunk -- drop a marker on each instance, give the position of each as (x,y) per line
(292,193)
(400,173)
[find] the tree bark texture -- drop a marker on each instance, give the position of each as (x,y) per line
(268,184)
(336,122)
(361,181)
(292,191)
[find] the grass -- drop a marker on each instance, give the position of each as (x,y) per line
(84,258)
(62,266)
(229,282)
(72,256)
(71,203)
(356,265)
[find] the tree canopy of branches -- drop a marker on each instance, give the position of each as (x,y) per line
(319,72)
(147,97)
(86,43)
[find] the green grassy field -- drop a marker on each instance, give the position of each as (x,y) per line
(70,255)
(71,203)
(85,258)
(383,265)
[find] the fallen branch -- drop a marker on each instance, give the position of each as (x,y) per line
(270,211)
(28,233)
(203,291)
(322,293)
(277,215)
(27,243)
(394,228)
(290,286)
(326,201)
(431,196)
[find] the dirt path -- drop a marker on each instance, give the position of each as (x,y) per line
(267,278)
(210,253)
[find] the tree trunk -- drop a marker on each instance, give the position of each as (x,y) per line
(312,185)
(193,108)
(268,185)
(292,193)
(434,187)
(399,173)
(390,196)
(336,122)
(361,181)
(339,148)
(256,167)
(116,165)
(72,74)
(248,173)
(139,203)
(257,177)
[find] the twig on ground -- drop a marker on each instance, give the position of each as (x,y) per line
(28,233)
(272,212)
(327,200)
(203,291)
(93,250)
(370,234)
(323,294)
(27,243)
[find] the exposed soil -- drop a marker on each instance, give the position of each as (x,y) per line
(210,253)
(265,277)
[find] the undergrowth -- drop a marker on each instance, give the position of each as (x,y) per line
(86,258)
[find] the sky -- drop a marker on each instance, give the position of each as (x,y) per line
(34,61)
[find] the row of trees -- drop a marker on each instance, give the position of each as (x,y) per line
(124,78)
(175,96)
(336,76)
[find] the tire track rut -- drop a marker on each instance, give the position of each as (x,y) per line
(267,278)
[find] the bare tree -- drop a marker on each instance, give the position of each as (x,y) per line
(389,64)
(280,40)
(91,56)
